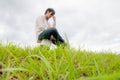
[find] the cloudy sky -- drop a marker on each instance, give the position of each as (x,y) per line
(89,24)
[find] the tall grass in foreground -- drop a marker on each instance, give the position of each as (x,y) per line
(66,63)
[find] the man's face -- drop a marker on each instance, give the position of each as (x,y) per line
(49,14)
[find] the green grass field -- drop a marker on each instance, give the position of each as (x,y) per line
(62,63)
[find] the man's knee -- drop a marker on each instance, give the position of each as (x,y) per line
(54,29)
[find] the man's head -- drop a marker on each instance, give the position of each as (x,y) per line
(49,13)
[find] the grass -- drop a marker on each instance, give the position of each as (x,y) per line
(67,63)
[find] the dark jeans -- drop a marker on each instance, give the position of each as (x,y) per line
(46,34)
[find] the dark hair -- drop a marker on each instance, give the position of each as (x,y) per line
(50,10)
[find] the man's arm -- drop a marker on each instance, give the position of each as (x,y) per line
(54,21)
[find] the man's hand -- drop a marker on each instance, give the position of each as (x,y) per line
(54,19)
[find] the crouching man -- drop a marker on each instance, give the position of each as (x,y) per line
(45,31)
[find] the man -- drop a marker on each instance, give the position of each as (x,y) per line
(45,31)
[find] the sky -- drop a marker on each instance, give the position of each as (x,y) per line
(89,24)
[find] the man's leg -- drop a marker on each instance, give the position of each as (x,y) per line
(44,35)
(56,35)
(51,32)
